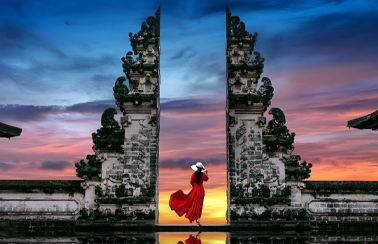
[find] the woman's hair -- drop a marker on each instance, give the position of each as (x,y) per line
(198,175)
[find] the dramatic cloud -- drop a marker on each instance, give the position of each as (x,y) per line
(16,38)
(92,107)
(5,166)
(185,163)
(179,104)
(184,55)
(328,33)
(192,106)
(55,165)
(27,113)
(195,9)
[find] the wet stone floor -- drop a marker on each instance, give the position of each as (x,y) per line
(243,237)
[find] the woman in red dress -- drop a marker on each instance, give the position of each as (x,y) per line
(192,240)
(192,203)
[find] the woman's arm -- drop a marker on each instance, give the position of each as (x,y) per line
(192,180)
(207,175)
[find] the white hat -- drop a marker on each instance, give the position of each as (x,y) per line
(197,166)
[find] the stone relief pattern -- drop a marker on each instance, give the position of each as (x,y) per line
(245,149)
(129,181)
(115,173)
(278,140)
(133,173)
(142,72)
(256,180)
(109,138)
(250,169)
(90,170)
(137,170)
(140,161)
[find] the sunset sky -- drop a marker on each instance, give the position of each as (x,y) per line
(59,61)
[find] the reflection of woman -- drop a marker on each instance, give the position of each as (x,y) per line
(191,240)
(191,204)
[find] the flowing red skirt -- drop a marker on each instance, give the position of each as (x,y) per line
(191,240)
(190,204)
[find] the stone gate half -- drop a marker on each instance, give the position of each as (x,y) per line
(259,161)
(122,176)
(264,180)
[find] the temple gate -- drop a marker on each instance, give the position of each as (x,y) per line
(265,186)
(259,160)
(126,156)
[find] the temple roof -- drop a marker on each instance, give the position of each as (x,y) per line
(369,121)
(9,131)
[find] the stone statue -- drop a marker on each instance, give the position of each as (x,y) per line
(107,119)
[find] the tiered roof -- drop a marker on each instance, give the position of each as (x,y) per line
(9,131)
(369,121)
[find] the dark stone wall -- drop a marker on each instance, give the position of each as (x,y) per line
(46,186)
(342,186)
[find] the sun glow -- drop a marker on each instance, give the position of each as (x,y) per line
(214,209)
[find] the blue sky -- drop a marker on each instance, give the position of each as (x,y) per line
(63,53)
(59,61)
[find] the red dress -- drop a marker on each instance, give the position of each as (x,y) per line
(191,240)
(192,203)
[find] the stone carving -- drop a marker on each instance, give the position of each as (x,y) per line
(263,95)
(90,170)
(250,213)
(296,171)
(266,90)
(120,92)
(120,89)
(342,207)
(277,136)
(115,172)
(40,206)
(143,71)
(236,32)
(107,119)
(141,65)
(257,157)
(110,137)
(127,190)
(245,149)
(277,139)
(149,33)
(137,173)
(245,65)
(278,118)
